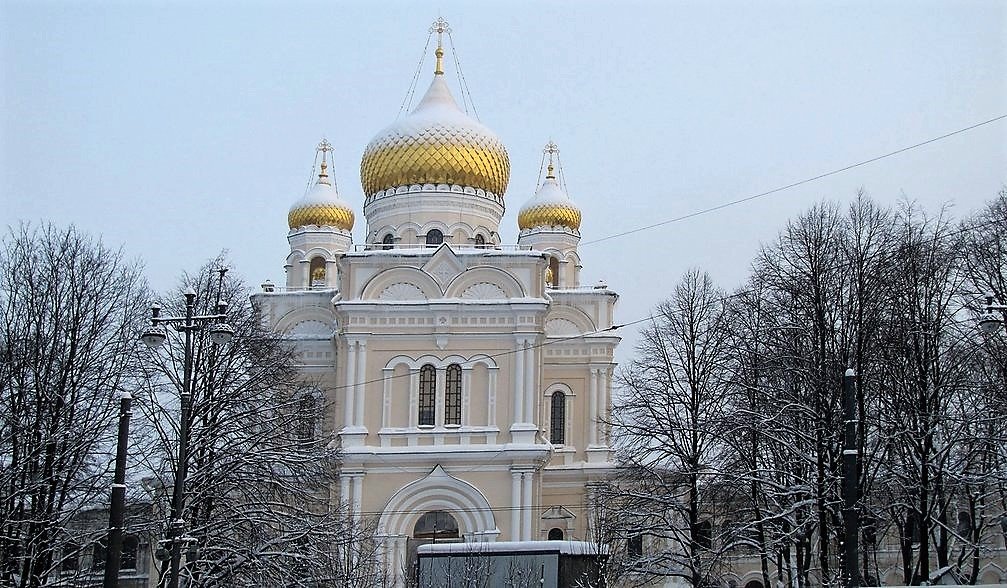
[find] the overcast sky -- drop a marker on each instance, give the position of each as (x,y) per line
(179,129)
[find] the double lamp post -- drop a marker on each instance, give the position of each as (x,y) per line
(155,336)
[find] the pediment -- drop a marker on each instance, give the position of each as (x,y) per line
(444,265)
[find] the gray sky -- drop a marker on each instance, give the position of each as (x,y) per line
(179,129)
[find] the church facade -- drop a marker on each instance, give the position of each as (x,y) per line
(467,379)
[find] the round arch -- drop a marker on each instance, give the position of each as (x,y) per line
(439,490)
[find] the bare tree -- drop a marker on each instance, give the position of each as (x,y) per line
(669,422)
(258,502)
(68,313)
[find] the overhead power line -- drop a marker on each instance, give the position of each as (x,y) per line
(797,183)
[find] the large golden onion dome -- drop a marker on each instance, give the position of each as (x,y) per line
(437,143)
(321,206)
(550,207)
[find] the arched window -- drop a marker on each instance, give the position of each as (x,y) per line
(453,395)
(704,535)
(554,268)
(634,546)
(436,525)
(130,546)
(428,395)
(306,418)
(434,237)
(317,271)
(555,534)
(388,241)
(480,241)
(557,419)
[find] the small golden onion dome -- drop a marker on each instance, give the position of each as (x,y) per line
(321,206)
(436,143)
(550,207)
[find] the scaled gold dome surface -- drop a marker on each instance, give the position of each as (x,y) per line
(322,215)
(321,207)
(550,207)
(437,143)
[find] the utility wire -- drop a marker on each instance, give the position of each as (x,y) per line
(797,183)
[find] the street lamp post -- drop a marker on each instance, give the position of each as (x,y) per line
(117,508)
(990,322)
(220,332)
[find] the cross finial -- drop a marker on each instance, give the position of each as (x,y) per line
(551,150)
(440,27)
(324,147)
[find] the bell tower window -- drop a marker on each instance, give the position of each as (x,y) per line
(317,269)
(435,237)
(554,268)
(480,241)
(388,241)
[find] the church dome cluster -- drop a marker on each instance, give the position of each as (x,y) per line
(437,143)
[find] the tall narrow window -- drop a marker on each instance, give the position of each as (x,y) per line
(434,237)
(317,271)
(306,418)
(453,395)
(130,546)
(554,268)
(388,241)
(557,419)
(428,395)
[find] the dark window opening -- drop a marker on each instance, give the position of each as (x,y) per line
(130,547)
(436,525)
(306,418)
(480,241)
(71,558)
(434,237)
(557,419)
(554,269)
(453,395)
(317,271)
(704,535)
(555,534)
(98,555)
(428,395)
(634,546)
(388,241)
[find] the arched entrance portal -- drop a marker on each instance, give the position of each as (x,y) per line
(436,526)
(439,506)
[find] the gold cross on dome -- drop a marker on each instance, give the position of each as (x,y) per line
(325,148)
(440,27)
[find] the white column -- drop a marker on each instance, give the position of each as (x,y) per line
(330,273)
(386,398)
(519,368)
(414,397)
(491,393)
(604,406)
(358,487)
(526,506)
(515,513)
(439,380)
(592,409)
(349,389)
(344,491)
(466,395)
(529,382)
(358,416)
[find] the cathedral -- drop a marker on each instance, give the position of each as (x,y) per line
(467,379)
